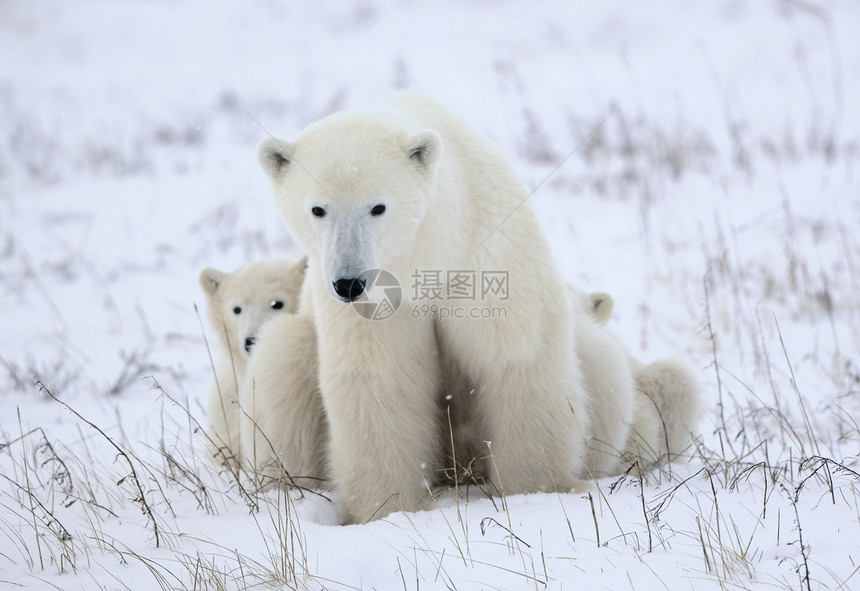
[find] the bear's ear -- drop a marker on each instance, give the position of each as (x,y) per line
(425,147)
(211,279)
(274,156)
(601,306)
(302,265)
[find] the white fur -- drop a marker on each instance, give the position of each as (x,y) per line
(284,431)
(550,390)
(608,379)
(605,367)
(637,412)
(668,406)
(452,203)
(640,413)
(283,427)
(252,288)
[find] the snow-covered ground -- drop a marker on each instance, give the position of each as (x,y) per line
(718,202)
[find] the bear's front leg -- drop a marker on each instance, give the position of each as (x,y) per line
(379,380)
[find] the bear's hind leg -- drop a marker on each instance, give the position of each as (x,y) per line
(529,410)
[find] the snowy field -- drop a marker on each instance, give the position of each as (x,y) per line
(710,183)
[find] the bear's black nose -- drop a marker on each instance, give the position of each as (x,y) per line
(249,342)
(349,289)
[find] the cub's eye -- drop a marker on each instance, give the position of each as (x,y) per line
(377,210)
(318,211)
(276,304)
(237,310)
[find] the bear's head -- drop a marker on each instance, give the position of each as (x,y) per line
(353,190)
(238,303)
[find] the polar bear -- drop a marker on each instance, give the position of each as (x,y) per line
(238,304)
(411,187)
(283,428)
(408,188)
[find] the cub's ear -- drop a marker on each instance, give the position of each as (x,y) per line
(425,148)
(211,279)
(302,265)
(601,306)
(274,156)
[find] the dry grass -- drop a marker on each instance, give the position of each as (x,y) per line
(768,496)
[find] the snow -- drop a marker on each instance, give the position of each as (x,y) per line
(709,184)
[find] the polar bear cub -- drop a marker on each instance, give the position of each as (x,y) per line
(238,304)
(638,413)
(665,400)
(283,428)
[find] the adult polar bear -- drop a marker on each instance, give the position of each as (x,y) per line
(412,187)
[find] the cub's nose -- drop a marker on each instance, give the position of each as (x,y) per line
(349,289)
(249,342)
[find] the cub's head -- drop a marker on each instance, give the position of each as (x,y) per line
(353,190)
(238,303)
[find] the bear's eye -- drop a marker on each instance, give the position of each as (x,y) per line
(276,304)
(377,210)
(237,310)
(318,211)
